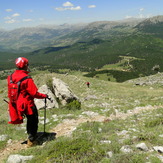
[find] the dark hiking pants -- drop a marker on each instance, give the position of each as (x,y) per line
(32,124)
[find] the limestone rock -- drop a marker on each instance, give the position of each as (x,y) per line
(126,149)
(62,92)
(40,103)
(109,154)
(158,149)
(3,137)
(142,146)
(18,158)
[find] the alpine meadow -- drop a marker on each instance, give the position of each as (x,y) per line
(118,118)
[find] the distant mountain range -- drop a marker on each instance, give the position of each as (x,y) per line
(29,39)
(88,46)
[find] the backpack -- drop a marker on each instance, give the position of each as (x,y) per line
(14,88)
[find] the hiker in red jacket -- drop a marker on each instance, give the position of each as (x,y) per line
(24,106)
(88,84)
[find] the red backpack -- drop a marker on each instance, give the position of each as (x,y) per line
(14,88)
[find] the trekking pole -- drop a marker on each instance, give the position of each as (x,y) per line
(45,110)
(5,101)
(45,114)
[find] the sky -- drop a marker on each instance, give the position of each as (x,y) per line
(31,13)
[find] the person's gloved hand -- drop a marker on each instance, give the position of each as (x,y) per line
(49,98)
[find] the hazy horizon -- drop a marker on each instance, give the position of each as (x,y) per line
(22,13)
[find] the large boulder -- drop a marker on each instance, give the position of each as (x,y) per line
(40,103)
(62,92)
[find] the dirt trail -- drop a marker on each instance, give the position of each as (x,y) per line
(68,126)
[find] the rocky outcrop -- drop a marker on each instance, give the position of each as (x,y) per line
(148,80)
(60,95)
(40,103)
(62,92)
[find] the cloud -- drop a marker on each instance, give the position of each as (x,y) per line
(15,15)
(128,17)
(7,18)
(10,21)
(67,4)
(141,9)
(60,9)
(140,14)
(68,8)
(27,20)
(75,8)
(9,10)
(92,6)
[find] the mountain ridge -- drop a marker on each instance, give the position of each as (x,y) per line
(33,38)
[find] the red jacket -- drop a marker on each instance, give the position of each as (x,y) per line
(28,91)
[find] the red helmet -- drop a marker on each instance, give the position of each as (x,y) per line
(21,62)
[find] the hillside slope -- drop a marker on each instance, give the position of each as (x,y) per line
(114,116)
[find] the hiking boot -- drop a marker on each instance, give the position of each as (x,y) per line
(31,143)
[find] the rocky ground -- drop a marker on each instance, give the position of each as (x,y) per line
(68,126)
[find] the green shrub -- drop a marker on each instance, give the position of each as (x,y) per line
(50,84)
(154,122)
(146,136)
(74,105)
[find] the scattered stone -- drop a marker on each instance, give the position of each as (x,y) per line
(142,146)
(19,158)
(47,121)
(9,141)
(109,154)
(105,110)
(3,137)
(105,141)
(158,149)
(133,129)
(90,113)
(122,133)
(54,116)
(99,129)
(126,149)
(91,97)
(160,157)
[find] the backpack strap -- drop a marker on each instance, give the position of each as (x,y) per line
(11,79)
(19,82)
(24,78)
